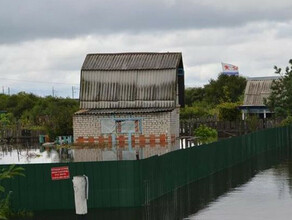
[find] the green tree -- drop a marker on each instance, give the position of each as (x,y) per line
(280,99)
(225,89)
(228,111)
(61,117)
(206,134)
(50,113)
(193,112)
(7,120)
(3,101)
(194,95)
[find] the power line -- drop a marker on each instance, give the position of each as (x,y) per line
(30,81)
(74,89)
(42,92)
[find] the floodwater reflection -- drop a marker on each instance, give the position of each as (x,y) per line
(33,154)
(266,196)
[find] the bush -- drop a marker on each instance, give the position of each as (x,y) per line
(228,111)
(193,112)
(287,121)
(252,122)
(206,134)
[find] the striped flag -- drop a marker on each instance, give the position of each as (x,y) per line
(229,69)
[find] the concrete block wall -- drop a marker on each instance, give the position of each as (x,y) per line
(157,129)
(174,126)
(86,126)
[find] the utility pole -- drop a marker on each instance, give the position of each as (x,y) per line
(3,89)
(72,92)
(53,91)
(8,90)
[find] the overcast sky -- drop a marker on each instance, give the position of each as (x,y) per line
(43,43)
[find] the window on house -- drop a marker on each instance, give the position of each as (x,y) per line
(110,126)
(128,126)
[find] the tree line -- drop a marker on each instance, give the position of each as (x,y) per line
(51,114)
(220,97)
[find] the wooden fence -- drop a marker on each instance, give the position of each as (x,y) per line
(226,129)
(18,136)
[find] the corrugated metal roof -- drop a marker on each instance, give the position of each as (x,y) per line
(131,61)
(256,90)
(121,111)
(128,89)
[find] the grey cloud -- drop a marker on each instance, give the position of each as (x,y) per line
(34,19)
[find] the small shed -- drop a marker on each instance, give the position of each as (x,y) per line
(130,101)
(257,89)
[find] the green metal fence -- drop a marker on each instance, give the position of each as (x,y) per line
(134,183)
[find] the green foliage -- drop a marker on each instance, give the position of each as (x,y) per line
(224,89)
(252,122)
(9,173)
(49,113)
(228,111)
(7,120)
(59,113)
(193,112)
(287,121)
(194,95)
(5,207)
(205,134)
(280,100)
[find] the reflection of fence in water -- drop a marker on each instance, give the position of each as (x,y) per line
(19,151)
(17,136)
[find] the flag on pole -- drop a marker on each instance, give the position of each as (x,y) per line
(229,69)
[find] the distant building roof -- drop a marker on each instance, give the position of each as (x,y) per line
(132,61)
(262,78)
(257,89)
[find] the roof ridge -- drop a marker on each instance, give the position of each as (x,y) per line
(132,53)
(132,61)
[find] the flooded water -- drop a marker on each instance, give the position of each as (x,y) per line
(260,188)
(32,155)
(266,196)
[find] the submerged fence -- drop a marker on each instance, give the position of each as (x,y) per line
(135,183)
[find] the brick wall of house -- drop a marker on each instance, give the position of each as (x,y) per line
(174,125)
(158,134)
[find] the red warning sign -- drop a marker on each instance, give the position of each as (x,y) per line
(60,173)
